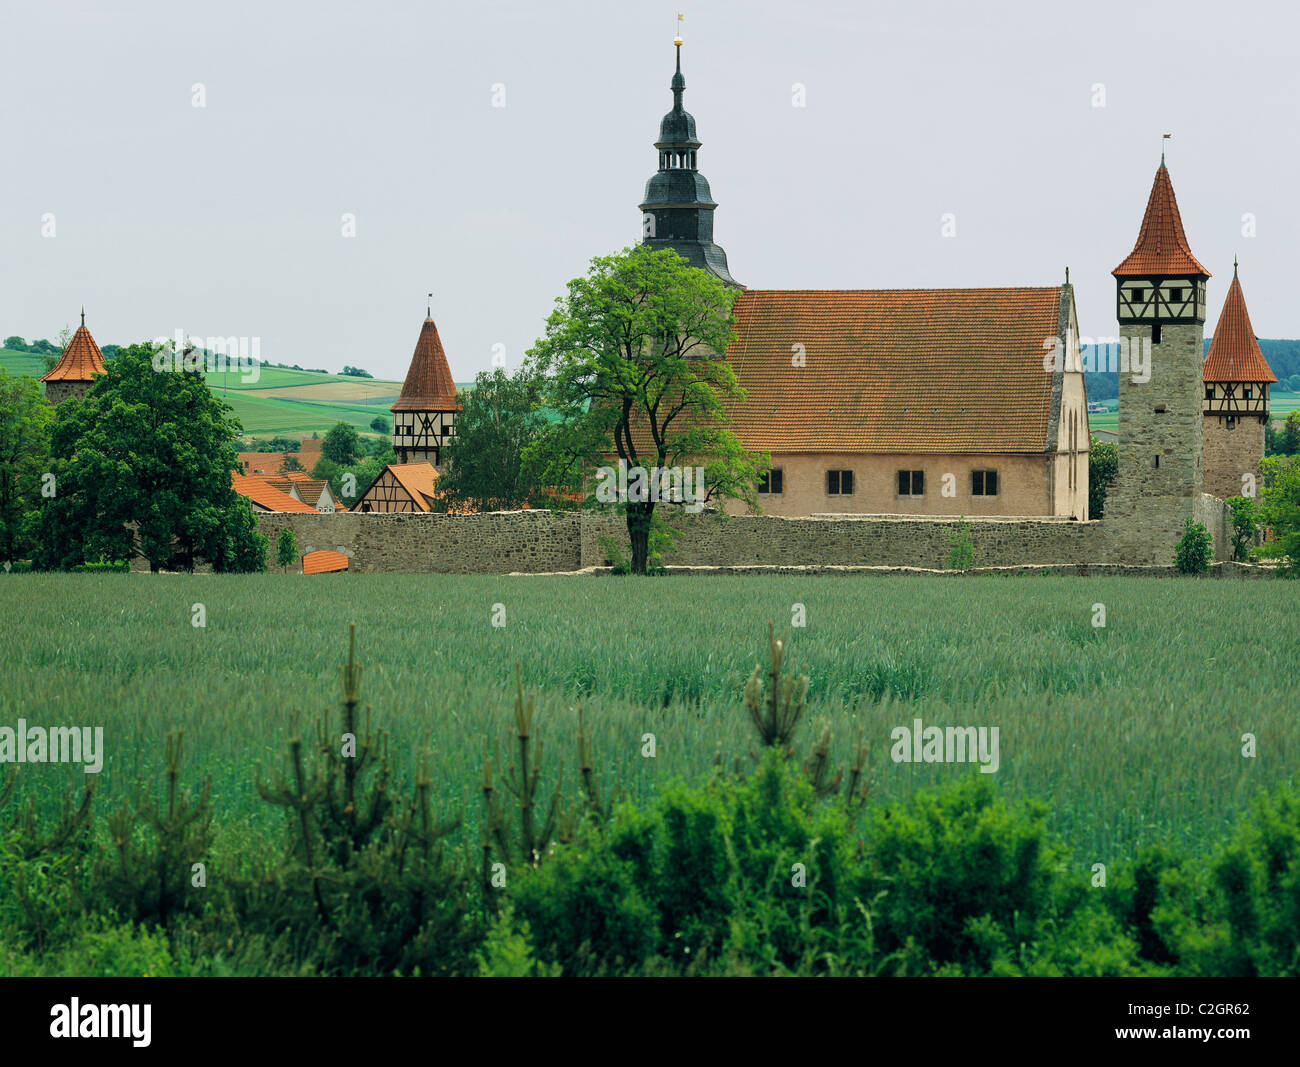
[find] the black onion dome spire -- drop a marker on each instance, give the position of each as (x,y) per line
(678,197)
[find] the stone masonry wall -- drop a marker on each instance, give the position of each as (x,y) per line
(544,541)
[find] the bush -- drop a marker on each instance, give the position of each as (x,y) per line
(1244,525)
(961,553)
(1195,549)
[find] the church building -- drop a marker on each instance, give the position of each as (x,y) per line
(889,401)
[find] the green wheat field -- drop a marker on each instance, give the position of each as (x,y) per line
(1132,732)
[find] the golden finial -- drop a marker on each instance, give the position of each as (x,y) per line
(678,39)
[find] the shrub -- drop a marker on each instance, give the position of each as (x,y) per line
(1244,525)
(1194,550)
(961,553)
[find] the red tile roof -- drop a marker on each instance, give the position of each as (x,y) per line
(428,385)
(895,370)
(417,479)
(260,463)
(267,497)
(322,561)
(1234,354)
(1162,246)
(80,361)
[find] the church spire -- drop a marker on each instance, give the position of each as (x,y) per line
(677,211)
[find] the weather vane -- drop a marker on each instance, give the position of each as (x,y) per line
(678,39)
(429,314)
(1162,147)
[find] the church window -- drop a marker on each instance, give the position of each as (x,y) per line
(984,483)
(839,483)
(911,483)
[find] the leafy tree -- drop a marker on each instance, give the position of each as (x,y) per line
(286,549)
(15,344)
(291,463)
(1103,462)
(632,362)
(340,444)
(487,462)
(143,467)
(1244,525)
(357,372)
(1280,510)
(1289,442)
(25,420)
(381,425)
(1194,550)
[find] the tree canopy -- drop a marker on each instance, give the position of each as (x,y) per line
(632,361)
(25,421)
(143,466)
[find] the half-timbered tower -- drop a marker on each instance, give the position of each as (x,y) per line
(1160,294)
(677,211)
(424,417)
(1237,378)
(76,368)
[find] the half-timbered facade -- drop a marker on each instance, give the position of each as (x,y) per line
(424,417)
(400,487)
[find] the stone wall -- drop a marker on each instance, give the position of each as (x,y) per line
(545,541)
(495,543)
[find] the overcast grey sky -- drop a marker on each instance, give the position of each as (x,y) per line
(226,219)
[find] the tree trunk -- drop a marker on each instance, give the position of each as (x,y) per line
(639,517)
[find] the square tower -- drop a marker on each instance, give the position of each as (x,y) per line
(1161,311)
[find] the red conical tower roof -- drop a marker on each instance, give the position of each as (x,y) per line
(428,385)
(1234,353)
(1162,246)
(80,361)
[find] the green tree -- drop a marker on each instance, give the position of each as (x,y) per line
(1280,511)
(291,463)
(286,549)
(632,362)
(1244,525)
(1103,462)
(489,465)
(380,424)
(340,444)
(15,344)
(143,467)
(1289,442)
(1195,549)
(25,420)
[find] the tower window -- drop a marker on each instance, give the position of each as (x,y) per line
(1157,462)
(1176,295)
(1160,409)
(1247,393)
(839,483)
(984,483)
(1209,392)
(1155,334)
(1139,294)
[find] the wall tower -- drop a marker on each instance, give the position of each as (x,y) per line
(1237,378)
(1160,303)
(73,374)
(424,417)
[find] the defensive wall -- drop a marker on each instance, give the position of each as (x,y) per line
(546,541)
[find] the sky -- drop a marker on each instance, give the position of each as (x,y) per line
(1037,127)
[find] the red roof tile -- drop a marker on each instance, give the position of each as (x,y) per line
(260,463)
(1234,354)
(80,361)
(1162,246)
(322,561)
(895,370)
(428,385)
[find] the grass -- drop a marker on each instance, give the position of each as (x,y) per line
(1132,732)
